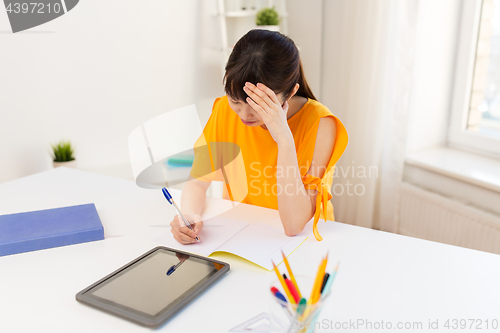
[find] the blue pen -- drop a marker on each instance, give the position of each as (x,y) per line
(282,299)
(172,202)
(173,268)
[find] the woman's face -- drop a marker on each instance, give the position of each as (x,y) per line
(247,114)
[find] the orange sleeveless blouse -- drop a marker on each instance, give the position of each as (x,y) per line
(245,158)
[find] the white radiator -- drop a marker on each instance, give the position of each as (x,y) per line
(430,216)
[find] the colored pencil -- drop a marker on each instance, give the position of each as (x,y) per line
(326,290)
(315,292)
(283,284)
(328,285)
(292,277)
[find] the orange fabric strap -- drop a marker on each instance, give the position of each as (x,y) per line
(320,184)
(324,195)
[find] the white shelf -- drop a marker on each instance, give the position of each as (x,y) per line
(247,13)
(223,17)
(240,13)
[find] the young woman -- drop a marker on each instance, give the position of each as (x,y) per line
(288,141)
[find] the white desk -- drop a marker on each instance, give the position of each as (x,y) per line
(382,276)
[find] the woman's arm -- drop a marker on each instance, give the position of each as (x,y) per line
(296,204)
(193,196)
(192,202)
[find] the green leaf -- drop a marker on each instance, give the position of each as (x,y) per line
(62,151)
(267,16)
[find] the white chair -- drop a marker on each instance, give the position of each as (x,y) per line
(159,138)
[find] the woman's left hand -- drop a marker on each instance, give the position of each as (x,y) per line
(265,102)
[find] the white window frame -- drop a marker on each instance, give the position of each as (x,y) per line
(458,135)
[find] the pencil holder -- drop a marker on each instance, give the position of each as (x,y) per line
(295,317)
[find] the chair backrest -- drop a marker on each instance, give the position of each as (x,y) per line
(165,135)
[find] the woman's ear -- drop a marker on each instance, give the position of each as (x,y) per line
(295,89)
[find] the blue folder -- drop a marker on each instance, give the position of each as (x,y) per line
(49,228)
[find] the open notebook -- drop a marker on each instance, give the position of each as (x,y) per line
(256,242)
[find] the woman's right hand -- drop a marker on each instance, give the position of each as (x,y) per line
(182,233)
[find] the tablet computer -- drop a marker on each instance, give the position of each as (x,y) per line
(153,287)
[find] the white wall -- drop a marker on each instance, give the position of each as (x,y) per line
(305,27)
(99,71)
(94,74)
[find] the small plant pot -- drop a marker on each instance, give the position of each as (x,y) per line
(68,164)
(269,27)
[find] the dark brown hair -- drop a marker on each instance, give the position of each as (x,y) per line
(268,57)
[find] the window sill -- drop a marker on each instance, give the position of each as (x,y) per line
(466,177)
(474,169)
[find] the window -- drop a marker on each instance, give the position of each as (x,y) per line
(475,114)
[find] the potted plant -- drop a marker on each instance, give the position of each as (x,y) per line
(268,18)
(63,155)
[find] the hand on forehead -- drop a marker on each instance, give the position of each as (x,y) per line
(269,92)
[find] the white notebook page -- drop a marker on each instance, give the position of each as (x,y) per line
(256,242)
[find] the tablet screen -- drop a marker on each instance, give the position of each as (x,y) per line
(155,283)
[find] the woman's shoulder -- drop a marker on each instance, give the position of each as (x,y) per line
(218,111)
(328,124)
(317,109)
(322,116)
(311,114)
(221,102)
(221,107)
(327,120)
